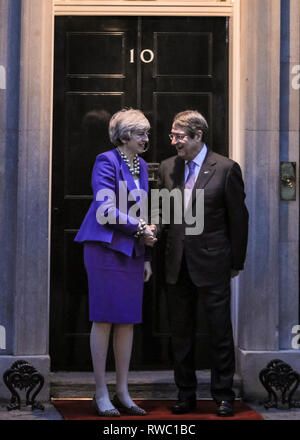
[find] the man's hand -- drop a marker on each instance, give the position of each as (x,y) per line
(149,240)
(147,271)
(148,237)
(234,273)
(150,230)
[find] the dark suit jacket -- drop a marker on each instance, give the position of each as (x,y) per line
(222,245)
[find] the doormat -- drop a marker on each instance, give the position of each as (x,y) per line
(81,409)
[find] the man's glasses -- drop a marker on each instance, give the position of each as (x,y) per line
(177,137)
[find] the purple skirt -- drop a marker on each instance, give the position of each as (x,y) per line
(115,285)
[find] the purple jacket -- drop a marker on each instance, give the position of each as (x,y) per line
(109,170)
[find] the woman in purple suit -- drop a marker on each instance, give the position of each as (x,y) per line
(116,256)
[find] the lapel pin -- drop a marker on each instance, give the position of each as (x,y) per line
(206,172)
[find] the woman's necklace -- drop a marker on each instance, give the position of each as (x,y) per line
(135,168)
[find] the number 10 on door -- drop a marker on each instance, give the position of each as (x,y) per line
(146,56)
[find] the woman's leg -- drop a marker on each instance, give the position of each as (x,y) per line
(99,340)
(122,342)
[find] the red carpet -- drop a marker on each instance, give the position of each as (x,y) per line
(156,409)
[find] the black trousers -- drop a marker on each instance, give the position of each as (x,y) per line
(182,306)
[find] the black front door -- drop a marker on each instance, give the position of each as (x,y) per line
(161,65)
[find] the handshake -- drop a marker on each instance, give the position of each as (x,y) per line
(147,233)
(150,235)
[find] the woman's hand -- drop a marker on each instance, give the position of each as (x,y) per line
(147,271)
(148,230)
(153,229)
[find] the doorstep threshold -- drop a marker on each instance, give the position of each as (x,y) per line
(141,384)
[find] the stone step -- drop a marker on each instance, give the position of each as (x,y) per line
(142,384)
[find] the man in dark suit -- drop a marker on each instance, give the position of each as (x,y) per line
(203,264)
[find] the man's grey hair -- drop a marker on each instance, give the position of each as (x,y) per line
(192,121)
(124,122)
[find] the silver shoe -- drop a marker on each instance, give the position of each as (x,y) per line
(107,413)
(130,410)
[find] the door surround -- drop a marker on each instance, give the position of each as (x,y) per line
(144,7)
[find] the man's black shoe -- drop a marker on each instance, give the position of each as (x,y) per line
(225,409)
(184,406)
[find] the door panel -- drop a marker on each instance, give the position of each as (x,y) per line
(88,50)
(169,64)
(190,70)
(161,65)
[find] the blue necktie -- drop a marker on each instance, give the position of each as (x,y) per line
(190,182)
